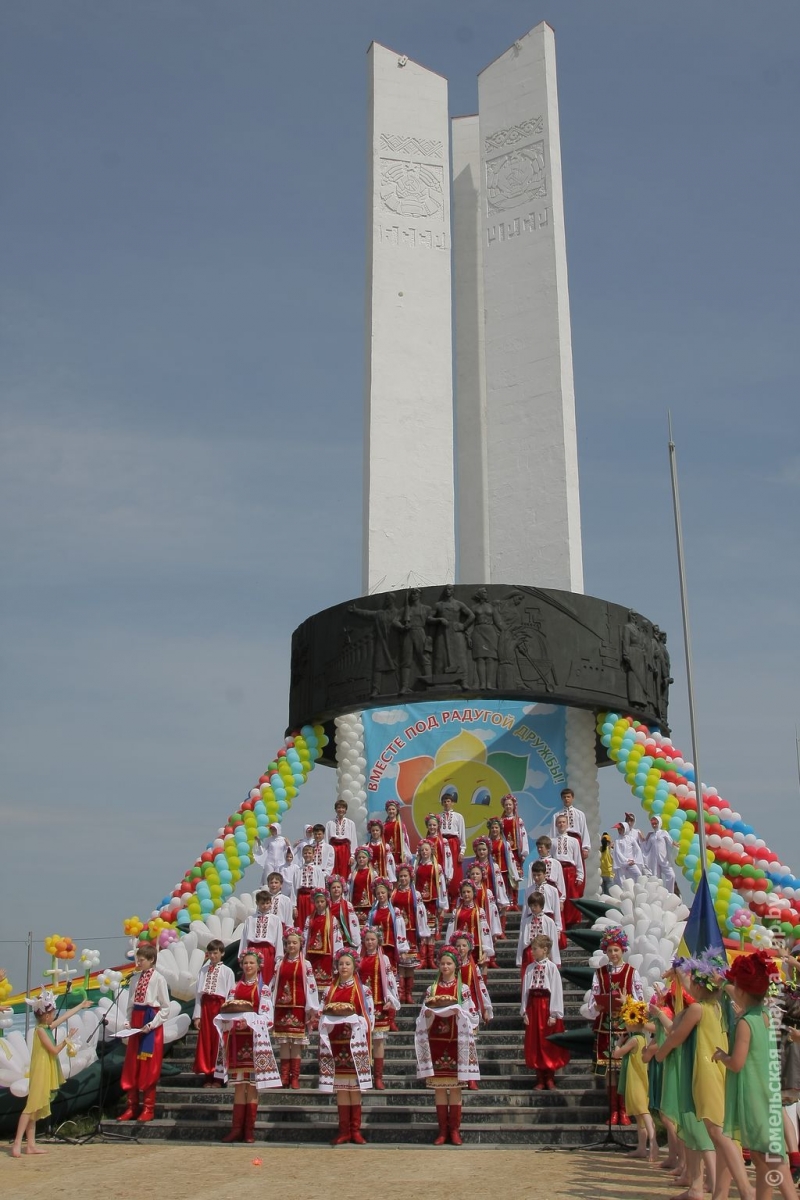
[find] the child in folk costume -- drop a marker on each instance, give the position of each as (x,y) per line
(341,834)
(752,1097)
(274,853)
(610,986)
(662,1080)
(148,1009)
(263,931)
(633,1076)
(568,854)
(472,979)
(383,863)
(493,877)
(626,854)
(362,884)
(444,1041)
(656,852)
(343,913)
(375,971)
(394,834)
(577,826)
(503,859)
(279,903)
(245,1054)
(469,918)
(215,982)
(454,832)
(322,939)
(552,900)
(441,850)
(304,879)
(324,855)
(345,1034)
(410,907)
(534,923)
(431,887)
(384,916)
(515,833)
(542,1011)
(296,1002)
(484,898)
(555,874)
(45,1075)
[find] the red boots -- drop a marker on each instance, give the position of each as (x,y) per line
(237,1124)
(355,1125)
(343,1135)
(454,1122)
(132,1110)
(286,1066)
(441,1117)
(379,1074)
(249,1123)
(294,1073)
(148,1104)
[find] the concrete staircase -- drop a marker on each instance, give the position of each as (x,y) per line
(504,1111)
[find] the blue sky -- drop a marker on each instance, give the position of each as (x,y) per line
(182,306)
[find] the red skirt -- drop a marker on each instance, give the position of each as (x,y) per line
(540,1053)
(571,915)
(527,959)
(305,905)
(443,1041)
(205,1056)
(267,952)
(341,856)
(562,940)
(239,1052)
(142,1070)
(290,1021)
(580,886)
(454,884)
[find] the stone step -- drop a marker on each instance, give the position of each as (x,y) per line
(490,1133)
(271,1115)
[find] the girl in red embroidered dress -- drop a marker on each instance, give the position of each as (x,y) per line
(410,907)
(430,886)
(345,999)
(394,834)
(362,880)
(375,971)
(515,833)
(322,939)
(296,1001)
(445,1044)
(381,856)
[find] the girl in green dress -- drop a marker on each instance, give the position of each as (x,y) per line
(662,1077)
(753,1110)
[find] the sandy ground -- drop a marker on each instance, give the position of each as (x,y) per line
(163,1172)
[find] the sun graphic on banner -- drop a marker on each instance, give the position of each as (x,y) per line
(463,765)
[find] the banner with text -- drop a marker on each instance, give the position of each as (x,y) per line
(483,750)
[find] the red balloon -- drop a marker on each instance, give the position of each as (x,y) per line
(281,754)
(206,856)
(263,779)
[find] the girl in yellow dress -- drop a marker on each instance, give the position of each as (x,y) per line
(633,1083)
(45,1076)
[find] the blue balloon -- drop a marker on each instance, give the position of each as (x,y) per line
(207,906)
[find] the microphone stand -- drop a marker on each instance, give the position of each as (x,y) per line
(610,1141)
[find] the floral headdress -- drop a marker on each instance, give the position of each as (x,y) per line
(509,796)
(708,970)
(753,973)
(250,953)
(461,937)
(433,817)
(633,1012)
(44,1002)
(397,803)
(335,879)
(346,953)
(615,936)
(387,883)
(373,822)
(449,952)
(481,841)
(293,931)
(363,850)
(319,892)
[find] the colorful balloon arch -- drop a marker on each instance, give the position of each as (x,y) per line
(207,885)
(742,870)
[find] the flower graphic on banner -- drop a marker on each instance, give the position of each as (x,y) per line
(480,779)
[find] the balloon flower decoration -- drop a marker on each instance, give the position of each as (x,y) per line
(208,884)
(6,1014)
(61,950)
(742,871)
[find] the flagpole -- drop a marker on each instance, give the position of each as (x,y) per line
(687,645)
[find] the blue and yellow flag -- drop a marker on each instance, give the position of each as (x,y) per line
(702,932)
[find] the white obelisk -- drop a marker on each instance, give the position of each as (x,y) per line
(409,509)
(533,533)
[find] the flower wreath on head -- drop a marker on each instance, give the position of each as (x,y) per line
(334,879)
(293,931)
(510,796)
(708,970)
(44,1002)
(347,952)
(634,1012)
(397,803)
(433,817)
(481,841)
(425,842)
(387,883)
(458,937)
(615,936)
(319,892)
(250,953)
(373,821)
(754,973)
(363,850)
